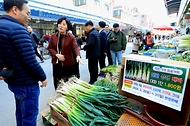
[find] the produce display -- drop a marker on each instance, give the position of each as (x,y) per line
(164,53)
(114,70)
(163,46)
(149,52)
(184,43)
(185,57)
(130,103)
(106,83)
(112,73)
(169,46)
(88,105)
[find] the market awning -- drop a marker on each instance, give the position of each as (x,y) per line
(172,6)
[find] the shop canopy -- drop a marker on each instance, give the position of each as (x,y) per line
(163,28)
(172,6)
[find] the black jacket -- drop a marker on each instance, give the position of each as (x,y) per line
(92,46)
(35,40)
(103,41)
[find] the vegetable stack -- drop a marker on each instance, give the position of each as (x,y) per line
(112,72)
(107,83)
(88,105)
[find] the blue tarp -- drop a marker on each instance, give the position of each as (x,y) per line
(47,15)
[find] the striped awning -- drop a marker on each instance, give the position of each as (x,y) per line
(172,6)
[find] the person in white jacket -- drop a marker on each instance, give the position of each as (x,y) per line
(136,43)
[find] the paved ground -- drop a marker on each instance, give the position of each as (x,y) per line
(7,105)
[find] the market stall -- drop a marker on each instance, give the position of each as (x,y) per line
(78,103)
(175,49)
(150,91)
(161,85)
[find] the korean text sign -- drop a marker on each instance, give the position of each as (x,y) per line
(162,83)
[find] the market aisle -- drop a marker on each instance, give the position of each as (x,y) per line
(7,105)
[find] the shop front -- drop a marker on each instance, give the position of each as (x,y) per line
(44,22)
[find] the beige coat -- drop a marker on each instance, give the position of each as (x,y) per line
(136,44)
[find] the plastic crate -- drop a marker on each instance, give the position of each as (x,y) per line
(128,119)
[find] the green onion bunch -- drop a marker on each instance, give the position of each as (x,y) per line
(88,105)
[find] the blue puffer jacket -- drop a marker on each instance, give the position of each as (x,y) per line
(93,47)
(16,52)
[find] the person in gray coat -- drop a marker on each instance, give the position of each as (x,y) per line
(136,44)
(35,42)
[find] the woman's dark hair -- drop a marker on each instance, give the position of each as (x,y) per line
(56,30)
(138,34)
(69,24)
(148,33)
(8,4)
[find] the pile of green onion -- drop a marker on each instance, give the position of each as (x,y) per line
(88,105)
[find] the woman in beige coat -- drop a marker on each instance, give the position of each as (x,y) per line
(136,43)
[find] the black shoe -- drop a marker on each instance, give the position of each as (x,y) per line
(91,82)
(42,61)
(101,75)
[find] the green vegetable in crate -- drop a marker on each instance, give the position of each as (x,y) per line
(183,45)
(109,69)
(185,37)
(185,57)
(184,41)
(88,105)
(186,53)
(106,83)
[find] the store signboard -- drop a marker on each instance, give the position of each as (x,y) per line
(162,83)
(47,15)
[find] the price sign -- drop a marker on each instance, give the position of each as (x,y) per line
(162,83)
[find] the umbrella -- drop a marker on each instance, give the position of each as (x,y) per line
(164,27)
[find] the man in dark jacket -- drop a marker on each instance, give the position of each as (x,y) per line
(93,50)
(109,57)
(35,42)
(79,41)
(103,42)
(17,54)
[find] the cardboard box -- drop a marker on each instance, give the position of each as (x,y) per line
(62,121)
(185,110)
(48,121)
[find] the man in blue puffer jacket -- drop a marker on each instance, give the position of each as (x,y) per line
(17,54)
